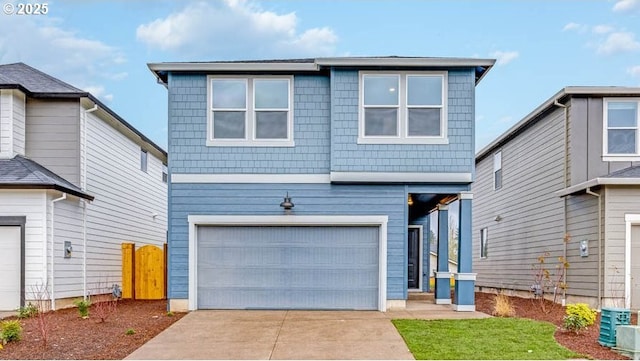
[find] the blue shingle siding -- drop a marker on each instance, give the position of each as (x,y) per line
(264,199)
(188,152)
(348,156)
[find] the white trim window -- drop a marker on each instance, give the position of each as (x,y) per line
(621,129)
(497,170)
(484,242)
(144,160)
(403,108)
(250,111)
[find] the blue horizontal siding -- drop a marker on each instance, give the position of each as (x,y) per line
(264,199)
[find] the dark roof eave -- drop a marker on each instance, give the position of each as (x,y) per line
(47,186)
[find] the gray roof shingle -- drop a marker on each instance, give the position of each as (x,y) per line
(23,173)
(35,81)
(631,172)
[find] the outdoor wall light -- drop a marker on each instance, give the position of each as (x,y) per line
(498,218)
(287,204)
(410,200)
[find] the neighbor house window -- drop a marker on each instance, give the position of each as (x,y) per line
(403,107)
(165,173)
(253,111)
(484,239)
(143,160)
(497,170)
(621,131)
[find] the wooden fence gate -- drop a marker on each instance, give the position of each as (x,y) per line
(144,272)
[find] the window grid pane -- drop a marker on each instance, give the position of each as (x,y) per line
(424,122)
(424,90)
(229,94)
(381,122)
(381,90)
(271,125)
(621,141)
(271,94)
(229,125)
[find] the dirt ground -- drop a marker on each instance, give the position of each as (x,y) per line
(73,338)
(584,343)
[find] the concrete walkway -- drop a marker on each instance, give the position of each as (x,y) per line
(287,335)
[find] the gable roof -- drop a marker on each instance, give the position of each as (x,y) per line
(161,70)
(37,84)
(560,97)
(23,173)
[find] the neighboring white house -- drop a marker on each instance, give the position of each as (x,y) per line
(76,181)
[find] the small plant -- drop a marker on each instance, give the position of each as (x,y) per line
(502,306)
(130,332)
(104,305)
(10,331)
(28,311)
(169,313)
(83,307)
(546,282)
(579,317)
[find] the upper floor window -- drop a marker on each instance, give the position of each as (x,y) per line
(497,170)
(250,111)
(165,173)
(621,130)
(143,160)
(403,107)
(484,242)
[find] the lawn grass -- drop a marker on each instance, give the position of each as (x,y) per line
(482,339)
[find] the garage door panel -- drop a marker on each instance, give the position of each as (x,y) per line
(288,267)
(10,259)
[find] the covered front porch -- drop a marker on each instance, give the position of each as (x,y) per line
(439,248)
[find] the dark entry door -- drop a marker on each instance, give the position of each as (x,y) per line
(414,258)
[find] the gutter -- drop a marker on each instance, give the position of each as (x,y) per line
(565,221)
(83,186)
(598,195)
(53,241)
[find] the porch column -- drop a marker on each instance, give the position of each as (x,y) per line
(443,276)
(464,289)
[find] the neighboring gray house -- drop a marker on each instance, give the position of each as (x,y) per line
(570,167)
(76,180)
(364,147)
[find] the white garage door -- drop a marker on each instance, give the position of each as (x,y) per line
(10,259)
(315,267)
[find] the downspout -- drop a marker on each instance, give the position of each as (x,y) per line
(84,202)
(53,241)
(589,191)
(564,199)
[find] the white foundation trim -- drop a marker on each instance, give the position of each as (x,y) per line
(291,220)
(443,274)
(396,304)
(464,308)
(443,301)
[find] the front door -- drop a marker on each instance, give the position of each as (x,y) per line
(413,263)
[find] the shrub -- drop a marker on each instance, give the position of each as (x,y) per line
(10,331)
(579,317)
(130,332)
(502,306)
(169,313)
(83,307)
(27,311)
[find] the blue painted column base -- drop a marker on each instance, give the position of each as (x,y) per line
(464,292)
(443,288)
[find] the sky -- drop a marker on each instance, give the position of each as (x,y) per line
(540,46)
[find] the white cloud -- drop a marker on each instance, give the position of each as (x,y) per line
(43,43)
(626,5)
(634,71)
(602,29)
(237,29)
(99,92)
(504,57)
(506,119)
(618,42)
(575,27)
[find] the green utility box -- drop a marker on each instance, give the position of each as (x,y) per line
(610,318)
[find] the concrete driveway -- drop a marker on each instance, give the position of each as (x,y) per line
(267,335)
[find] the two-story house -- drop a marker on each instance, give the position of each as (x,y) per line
(306,183)
(76,180)
(564,184)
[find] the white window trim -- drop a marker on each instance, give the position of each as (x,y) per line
(495,169)
(403,137)
(249,140)
(606,157)
(144,160)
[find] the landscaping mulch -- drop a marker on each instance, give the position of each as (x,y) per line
(586,342)
(72,338)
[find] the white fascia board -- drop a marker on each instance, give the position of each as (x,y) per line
(596,182)
(233,66)
(389,61)
(400,177)
(284,220)
(250,178)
